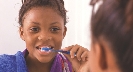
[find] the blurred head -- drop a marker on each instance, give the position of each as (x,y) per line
(42,24)
(112,37)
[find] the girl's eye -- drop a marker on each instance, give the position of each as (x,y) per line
(55,29)
(34,29)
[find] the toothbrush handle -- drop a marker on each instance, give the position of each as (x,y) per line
(66,52)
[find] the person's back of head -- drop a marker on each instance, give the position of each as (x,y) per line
(112,25)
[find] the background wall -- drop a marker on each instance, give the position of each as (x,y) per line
(78,32)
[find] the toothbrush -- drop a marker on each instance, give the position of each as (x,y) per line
(49,49)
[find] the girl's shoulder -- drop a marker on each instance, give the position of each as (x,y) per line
(5,59)
(9,61)
(6,62)
(9,58)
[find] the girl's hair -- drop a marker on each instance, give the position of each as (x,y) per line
(114,22)
(57,5)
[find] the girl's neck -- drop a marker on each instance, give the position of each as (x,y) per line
(35,66)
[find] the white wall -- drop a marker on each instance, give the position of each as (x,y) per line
(78,32)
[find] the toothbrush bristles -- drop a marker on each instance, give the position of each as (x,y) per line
(46,49)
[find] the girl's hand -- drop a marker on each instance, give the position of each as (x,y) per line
(80,61)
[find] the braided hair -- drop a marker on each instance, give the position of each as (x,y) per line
(57,5)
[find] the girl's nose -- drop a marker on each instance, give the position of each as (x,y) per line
(44,37)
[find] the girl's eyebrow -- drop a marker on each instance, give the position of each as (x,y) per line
(50,24)
(54,23)
(36,23)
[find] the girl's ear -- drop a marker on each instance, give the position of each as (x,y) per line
(105,57)
(100,56)
(65,30)
(21,33)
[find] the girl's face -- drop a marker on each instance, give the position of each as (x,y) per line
(42,27)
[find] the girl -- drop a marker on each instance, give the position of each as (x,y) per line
(42,24)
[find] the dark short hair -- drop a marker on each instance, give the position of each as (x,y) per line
(114,21)
(57,5)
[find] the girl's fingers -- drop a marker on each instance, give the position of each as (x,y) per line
(85,55)
(74,50)
(79,53)
(82,55)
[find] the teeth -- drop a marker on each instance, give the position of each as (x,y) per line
(45,47)
(42,50)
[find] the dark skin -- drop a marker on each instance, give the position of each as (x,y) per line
(80,62)
(42,23)
(44,27)
(36,66)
